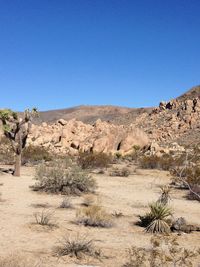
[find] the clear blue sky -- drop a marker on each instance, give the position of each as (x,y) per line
(62,53)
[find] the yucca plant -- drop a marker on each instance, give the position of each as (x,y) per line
(160,214)
(165,195)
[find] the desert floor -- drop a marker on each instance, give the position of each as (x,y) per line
(129,195)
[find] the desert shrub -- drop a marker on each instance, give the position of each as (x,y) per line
(194,193)
(7,154)
(57,179)
(35,154)
(135,154)
(77,247)
(66,203)
(165,162)
(163,251)
(187,176)
(94,216)
(124,172)
(44,218)
(88,160)
(191,174)
(158,219)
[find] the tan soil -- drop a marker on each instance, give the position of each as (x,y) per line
(128,195)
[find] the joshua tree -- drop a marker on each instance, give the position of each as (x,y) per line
(16,129)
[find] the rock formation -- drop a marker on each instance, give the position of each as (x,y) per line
(73,136)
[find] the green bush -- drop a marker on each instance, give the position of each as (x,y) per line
(88,160)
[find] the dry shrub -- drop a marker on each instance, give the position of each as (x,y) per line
(163,251)
(56,178)
(94,216)
(195,189)
(88,200)
(134,155)
(165,162)
(77,246)
(66,203)
(89,160)
(7,154)
(123,172)
(35,154)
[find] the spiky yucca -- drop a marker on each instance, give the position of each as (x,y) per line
(160,218)
(165,195)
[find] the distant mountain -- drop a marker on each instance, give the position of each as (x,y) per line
(89,114)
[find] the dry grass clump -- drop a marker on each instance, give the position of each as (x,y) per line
(66,203)
(88,200)
(35,154)
(158,219)
(94,216)
(45,218)
(89,160)
(78,247)
(56,178)
(163,251)
(123,172)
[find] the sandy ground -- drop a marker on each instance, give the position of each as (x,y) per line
(129,195)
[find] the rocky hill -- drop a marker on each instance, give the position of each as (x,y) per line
(177,120)
(117,129)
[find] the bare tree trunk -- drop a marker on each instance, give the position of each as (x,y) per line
(18,159)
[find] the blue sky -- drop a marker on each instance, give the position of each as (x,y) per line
(57,54)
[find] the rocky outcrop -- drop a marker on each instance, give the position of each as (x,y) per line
(73,136)
(180,225)
(173,121)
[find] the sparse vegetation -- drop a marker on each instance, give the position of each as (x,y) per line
(186,174)
(88,200)
(164,162)
(165,195)
(66,203)
(164,251)
(94,216)
(123,172)
(35,154)
(57,179)
(88,160)
(45,218)
(77,247)
(158,219)
(7,154)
